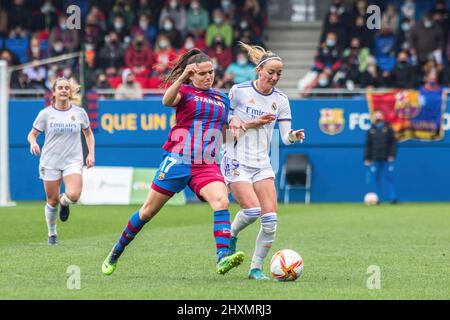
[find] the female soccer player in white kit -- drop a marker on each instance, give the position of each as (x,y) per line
(245,164)
(62,154)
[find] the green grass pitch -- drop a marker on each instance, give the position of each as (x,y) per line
(174,256)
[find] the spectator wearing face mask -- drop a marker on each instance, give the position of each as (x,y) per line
(244,33)
(426,38)
(174,10)
(402,39)
(57,48)
(219,27)
(189,43)
(34,51)
(138,56)
(144,26)
(229,11)
(69,37)
(404,74)
(328,55)
(102,83)
(120,28)
(324,81)
(111,55)
(129,89)
(239,71)
(164,56)
(335,26)
(172,33)
(222,53)
(197,19)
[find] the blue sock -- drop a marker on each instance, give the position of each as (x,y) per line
(134,225)
(222,232)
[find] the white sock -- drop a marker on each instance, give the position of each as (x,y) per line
(50,217)
(64,200)
(244,218)
(264,240)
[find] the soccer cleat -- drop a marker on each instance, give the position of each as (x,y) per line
(257,274)
(233,244)
(229,262)
(110,263)
(64,212)
(53,240)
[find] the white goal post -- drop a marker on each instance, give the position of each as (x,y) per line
(5,196)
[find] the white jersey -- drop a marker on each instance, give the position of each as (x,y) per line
(62,147)
(247,103)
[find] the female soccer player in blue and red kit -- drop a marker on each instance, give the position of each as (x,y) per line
(189,159)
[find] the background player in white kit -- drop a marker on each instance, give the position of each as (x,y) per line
(62,154)
(246,164)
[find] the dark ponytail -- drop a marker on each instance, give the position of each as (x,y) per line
(192,56)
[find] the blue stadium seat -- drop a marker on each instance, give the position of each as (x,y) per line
(2,42)
(19,47)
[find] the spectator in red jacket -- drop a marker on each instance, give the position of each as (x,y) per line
(164,56)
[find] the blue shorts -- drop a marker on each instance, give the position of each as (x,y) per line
(173,175)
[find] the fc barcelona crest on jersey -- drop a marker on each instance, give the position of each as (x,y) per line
(161,176)
(332,121)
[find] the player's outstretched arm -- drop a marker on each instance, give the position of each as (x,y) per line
(34,147)
(288,135)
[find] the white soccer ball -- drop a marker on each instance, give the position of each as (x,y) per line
(371,198)
(286,265)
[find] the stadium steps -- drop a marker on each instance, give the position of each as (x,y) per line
(296,43)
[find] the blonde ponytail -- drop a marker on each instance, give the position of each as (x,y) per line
(258,54)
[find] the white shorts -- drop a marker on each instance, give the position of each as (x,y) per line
(233,171)
(47,174)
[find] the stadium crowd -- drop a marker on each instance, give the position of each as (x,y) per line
(410,49)
(129,45)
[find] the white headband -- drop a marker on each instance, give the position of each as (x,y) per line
(264,61)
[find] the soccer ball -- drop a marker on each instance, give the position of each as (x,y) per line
(371,198)
(286,265)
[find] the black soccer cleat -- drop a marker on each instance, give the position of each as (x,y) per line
(53,240)
(64,212)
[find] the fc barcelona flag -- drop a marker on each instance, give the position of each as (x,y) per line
(413,114)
